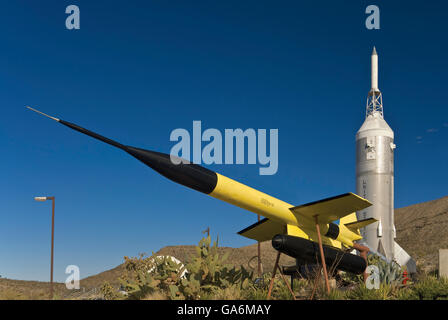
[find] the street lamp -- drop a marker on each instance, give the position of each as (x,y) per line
(52,240)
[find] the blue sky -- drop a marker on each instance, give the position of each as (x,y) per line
(137,70)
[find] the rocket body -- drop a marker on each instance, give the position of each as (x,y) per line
(216,185)
(375,177)
(375,182)
(375,171)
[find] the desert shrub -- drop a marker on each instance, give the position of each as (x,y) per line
(335,294)
(280,291)
(255,293)
(233,292)
(361,292)
(406,294)
(108,292)
(348,278)
(11,294)
(207,276)
(429,288)
(157,295)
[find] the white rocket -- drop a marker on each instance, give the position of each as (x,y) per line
(375,176)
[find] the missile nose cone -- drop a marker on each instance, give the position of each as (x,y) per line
(190,175)
(278,242)
(374,51)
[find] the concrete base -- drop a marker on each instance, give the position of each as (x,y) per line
(443,263)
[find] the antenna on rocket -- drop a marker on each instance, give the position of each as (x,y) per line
(374,103)
(44,114)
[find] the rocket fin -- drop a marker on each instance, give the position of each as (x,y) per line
(381,248)
(263,230)
(332,209)
(404,259)
(356,225)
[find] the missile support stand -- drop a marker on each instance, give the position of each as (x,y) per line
(271,284)
(322,256)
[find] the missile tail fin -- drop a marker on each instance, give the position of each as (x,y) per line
(332,209)
(356,225)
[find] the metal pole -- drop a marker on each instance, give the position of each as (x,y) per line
(363,250)
(273,275)
(316,282)
(322,256)
(259,255)
(52,248)
(287,284)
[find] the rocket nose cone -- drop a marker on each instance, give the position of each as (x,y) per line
(374,51)
(189,175)
(278,241)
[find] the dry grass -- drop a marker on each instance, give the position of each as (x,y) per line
(155,296)
(29,290)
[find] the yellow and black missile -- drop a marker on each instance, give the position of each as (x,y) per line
(201,179)
(281,217)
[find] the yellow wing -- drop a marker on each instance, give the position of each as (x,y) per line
(333,208)
(263,230)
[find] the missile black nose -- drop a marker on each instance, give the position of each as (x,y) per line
(188,174)
(278,242)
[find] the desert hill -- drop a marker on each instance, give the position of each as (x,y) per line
(422,229)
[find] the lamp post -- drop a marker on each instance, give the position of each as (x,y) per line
(259,254)
(52,240)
